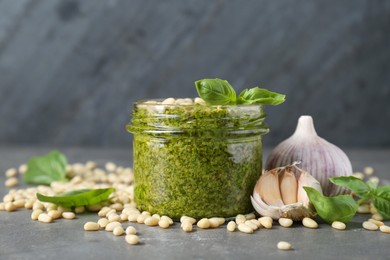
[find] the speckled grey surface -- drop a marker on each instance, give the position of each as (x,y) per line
(21,238)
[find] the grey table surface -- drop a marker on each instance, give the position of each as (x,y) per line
(21,238)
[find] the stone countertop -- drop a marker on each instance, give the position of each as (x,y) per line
(22,238)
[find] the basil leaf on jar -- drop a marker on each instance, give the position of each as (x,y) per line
(339,208)
(46,169)
(216,91)
(77,198)
(261,96)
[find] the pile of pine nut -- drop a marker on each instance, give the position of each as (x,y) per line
(120,207)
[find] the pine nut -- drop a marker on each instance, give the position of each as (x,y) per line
(156,216)
(54,214)
(377,216)
(369,226)
(103,211)
(266,222)
(364,209)
(79,210)
(231,226)
(133,217)
(19,203)
(199,101)
(163,223)
(151,221)
(214,222)
(245,228)
(309,223)
(250,216)
(94,208)
(376,222)
(68,215)
(170,221)
(23,169)
(35,214)
(338,225)
(368,170)
(251,225)
(114,217)
(123,217)
(38,205)
(8,198)
(29,204)
(110,166)
(62,209)
(286,222)
(118,231)
(91,226)
(385,229)
(117,206)
(203,223)
(103,222)
(240,219)
(11,182)
(256,222)
(282,245)
(9,206)
(130,230)
(168,101)
(186,226)
(373,209)
(190,219)
(2,207)
(11,173)
(43,217)
(110,226)
(141,218)
(132,239)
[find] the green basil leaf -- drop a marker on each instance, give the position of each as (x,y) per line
(381,200)
(46,169)
(78,198)
(356,185)
(339,208)
(216,91)
(260,96)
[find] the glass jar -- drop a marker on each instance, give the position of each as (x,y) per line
(196,160)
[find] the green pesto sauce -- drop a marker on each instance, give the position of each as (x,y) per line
(199,161)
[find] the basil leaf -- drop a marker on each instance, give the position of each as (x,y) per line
(216,91)
(381,200)
(78,198)
(339,208)
(356,185)
(261,96)
(46,169)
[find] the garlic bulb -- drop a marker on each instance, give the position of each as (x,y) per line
(319,157)
(278,194)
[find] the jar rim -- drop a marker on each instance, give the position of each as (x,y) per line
(148,102)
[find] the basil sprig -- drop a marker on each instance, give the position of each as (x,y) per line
(379,196)
(77,198)
(220,92)
(46,169)
(338,208)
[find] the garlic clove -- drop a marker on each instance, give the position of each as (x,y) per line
(288,186)
(296,211)
(264,209)
(319,157)
(306,180)
(268,188)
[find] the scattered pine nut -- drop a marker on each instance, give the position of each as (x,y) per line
(9,206)
(186,226)
(118,231)
(286,222)
(11,182)
(79,210)
(151,221)
(364,209)
(338,225)
(377,216)
(282,245)
(250,216)
(231,226)
(110,166)
(170,221)
(385,229)
(369,226)
(103,222)
(91,226)
(376,222)
(133,216)
(68,215)
(19,203)
(2,207)
(94,208)
(43,217)
(368,170)
(110,226)
(163,223)
(12,172)
(251,225)
(214,222)
(35,214)
(266,222)
(190,219)
(54,214)
(245,228)
(141,218)
(203,223)
(130,230)
(23,169)
(132,239)
(240,219)
(309,223)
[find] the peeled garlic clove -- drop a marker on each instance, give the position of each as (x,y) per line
(319,157)
(306,180)
(288,186)
(268,188)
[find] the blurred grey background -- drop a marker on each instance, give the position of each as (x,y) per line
(71,69)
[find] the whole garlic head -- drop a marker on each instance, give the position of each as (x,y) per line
(279,194)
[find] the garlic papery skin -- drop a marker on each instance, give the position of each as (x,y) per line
(319,157)
(294,204)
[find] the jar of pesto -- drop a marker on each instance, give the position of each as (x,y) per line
(194,159)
